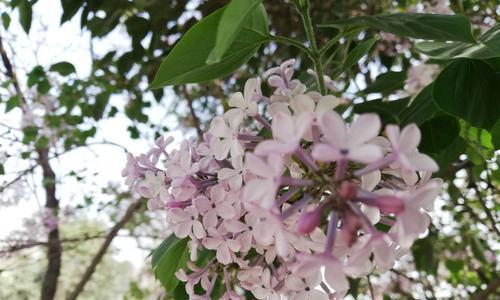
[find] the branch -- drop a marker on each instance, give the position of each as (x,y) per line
(10,73)
(491,288)
(54,248)
(196,121)
(134,207)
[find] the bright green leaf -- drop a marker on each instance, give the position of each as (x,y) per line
(231,22)
(420,26)
(438,133)
(168,261)
(64,68)
(12,103)
(358,52)
(186,63)
(467,89)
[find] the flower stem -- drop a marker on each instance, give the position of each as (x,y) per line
(313,48)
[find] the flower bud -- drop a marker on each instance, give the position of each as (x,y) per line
(308,221)
(389,204)
(347,190)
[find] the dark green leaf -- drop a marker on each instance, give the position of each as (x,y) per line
(421,109)
(12,103)
(231,22)
(42,142)
(137,27)
(387,110)
(70,8)
(454,265)
(30,133)
(64,68)
(171,257)
(186,63)
(495,135)
(5,20)
(420,26)
(424,254)
(477,249)
(447,156)
(2,169)
(387,83)
(25,15)
(358,52)
(438,133)
(467,89)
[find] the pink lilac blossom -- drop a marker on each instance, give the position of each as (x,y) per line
(288,209)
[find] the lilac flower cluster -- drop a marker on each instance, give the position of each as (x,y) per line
(291,199)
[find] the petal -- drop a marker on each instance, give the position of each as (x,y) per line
(327,103)
(392,133)
(198,230)
(317,295)
(422,162)
(250,86)
(335,277)
(333,127)
(272,146)
(366,153)
(277,107)
(210,219)
(257,166)
(372,213)
(237,100)
(219,128)
(233,245)
(235,226)
(236,148)
(182,229)
(369,181)
(325,152)
(211,243)
(302,103)
(282,126)
(223,254)
(409,139)
(363,129)
(221,148)
(225,210)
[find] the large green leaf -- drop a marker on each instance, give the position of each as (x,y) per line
(64,68)
(467,89)
(388,111)
(438,133)
(358,52)
(487,47)
(387,83)
(421,109)
(420,26)
(170,256)
(495,135)
(232,21)
(186,63)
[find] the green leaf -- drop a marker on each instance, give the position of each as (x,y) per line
(25,15)
(12,103)
(421,109)
(70,8)
(231,22)
(2,169)
(186,63)
(467,89)
(157,253)
(424,254)
(387,110)
(495,135)
(487,47)
(137,27)
(5,20)
(387,83)
(420,26)
(447,156)
(438,133)
(358,52)
(169,258)
(454,265)
(64,68)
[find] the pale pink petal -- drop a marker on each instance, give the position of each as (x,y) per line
(233,245)
(210,219)
(211,243)
(198,230)
(422,162)
(235,226)
(221,148)
(236,148)
(225,210)
(182,229)
(202,203)
(325,152)
(410,138)
(333,127)
(178,214)
(366,153)
(272,146)
(223,254)
(282,127)
(392,133)
(363,129)
(302,103)
(335,277)
(369,181)
(257,166)
(237,100)
(327,103)
(219,128)
(317,295)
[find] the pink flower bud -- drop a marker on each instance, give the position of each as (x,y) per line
(308,221)
(389,204)
(347,190)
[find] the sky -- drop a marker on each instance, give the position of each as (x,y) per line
(48,43)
